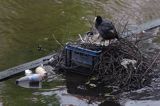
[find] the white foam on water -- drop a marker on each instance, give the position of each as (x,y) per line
(142,103)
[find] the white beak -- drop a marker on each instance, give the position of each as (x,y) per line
(112,31)
(95,19)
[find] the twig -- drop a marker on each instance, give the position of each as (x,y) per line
(124,28)
(90,22)
(139,40)
(57,41)
(81,38)
(152,64)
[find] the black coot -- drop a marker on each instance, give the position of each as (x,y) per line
(105,28)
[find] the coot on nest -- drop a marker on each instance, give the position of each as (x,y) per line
(105,28)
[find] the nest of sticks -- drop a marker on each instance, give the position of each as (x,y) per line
(121,64)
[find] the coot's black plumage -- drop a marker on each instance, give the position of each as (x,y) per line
(105,28)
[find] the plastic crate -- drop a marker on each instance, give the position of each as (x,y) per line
(78,56)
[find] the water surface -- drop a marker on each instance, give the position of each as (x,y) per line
(26,25)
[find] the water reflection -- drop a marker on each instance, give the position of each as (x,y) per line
(28,84)
(109,103)
(76,93)
(143,103)
(76,85)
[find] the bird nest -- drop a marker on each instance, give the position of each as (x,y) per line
(121,64)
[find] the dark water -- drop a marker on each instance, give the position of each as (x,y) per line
(26,25)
